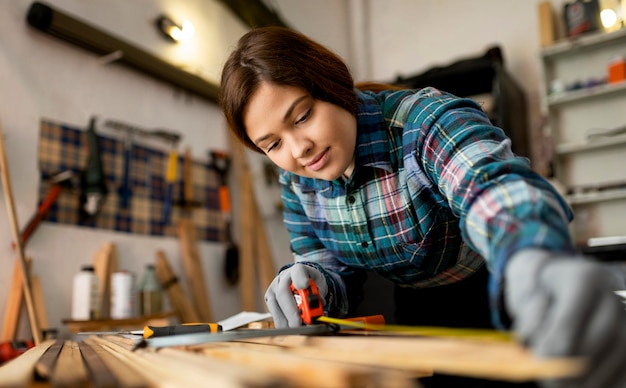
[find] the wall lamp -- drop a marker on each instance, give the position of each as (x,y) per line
(173,31)
(75,31)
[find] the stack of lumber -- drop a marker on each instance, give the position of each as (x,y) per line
(345,360)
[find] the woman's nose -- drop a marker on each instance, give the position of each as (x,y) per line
(300,147)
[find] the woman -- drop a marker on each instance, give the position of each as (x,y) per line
(419,187)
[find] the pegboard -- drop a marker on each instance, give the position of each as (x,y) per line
(64,147)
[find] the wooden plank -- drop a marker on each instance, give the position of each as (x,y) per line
(265,263)
(193,269)
(17,238)
(247,240)
(168,367)
(124,373)
(295,369)
(70,370)
(38,300)
(45,365)
(482,359)
(412,368)
(19,371)
(14,303)
(105,263)
(101,375)
(171,284)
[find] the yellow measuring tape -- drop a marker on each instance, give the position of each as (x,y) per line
(425,331)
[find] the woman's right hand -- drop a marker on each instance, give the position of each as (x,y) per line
(280,299)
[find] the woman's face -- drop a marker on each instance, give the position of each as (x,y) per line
(299,134)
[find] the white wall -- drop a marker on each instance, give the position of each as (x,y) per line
(42,77)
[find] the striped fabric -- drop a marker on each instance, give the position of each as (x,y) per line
(435,194)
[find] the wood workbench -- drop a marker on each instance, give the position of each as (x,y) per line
(338,360)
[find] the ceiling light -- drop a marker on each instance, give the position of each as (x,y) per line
(173,31)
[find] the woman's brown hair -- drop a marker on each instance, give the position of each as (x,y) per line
(284,57)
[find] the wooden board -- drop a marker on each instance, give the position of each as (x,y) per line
(193,269)
(171,285)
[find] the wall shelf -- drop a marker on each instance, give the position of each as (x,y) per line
(584,42)
(606,142)
(580,95)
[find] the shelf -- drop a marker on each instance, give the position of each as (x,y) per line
(583,42)
(596,196)
(586,93)
(605,142)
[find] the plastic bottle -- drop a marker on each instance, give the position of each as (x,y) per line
(150,294)
(85,295)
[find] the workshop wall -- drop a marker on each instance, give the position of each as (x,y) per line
(43,77)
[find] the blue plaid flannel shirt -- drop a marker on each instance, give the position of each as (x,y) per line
(436,192)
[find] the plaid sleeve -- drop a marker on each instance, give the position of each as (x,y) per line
(502,204)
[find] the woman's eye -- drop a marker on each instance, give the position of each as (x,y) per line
(272,146)
(304,117)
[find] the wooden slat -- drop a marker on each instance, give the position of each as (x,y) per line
(294,369)
(45,364)
(493,360)
(124,373)
(171,284)
(14,302)
(70,370)
(265,264)
(105,263)
(101,375)
(19,371)
(170,368)
(38,300)
(247,240)
(17,238)
(337,357)
(193,269)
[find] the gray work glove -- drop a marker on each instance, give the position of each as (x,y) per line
(280,299)
(566,306)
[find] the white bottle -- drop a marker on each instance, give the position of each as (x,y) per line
(85,300)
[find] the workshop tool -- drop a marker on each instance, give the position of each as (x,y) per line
(58,181)
(220,162)
(11,349)
(309,301)
(170,180)
(10,204)
(124,191)
(171,284)
(201,338)
(151,331)
(187,202)
(93,182)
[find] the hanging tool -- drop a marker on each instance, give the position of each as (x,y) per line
(58,181)
(124,191)
(170,181)
(220,161)
(93,181)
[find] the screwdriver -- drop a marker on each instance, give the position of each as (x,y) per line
(163,331)
(185,328)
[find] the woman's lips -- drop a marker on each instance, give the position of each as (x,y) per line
(319,161)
